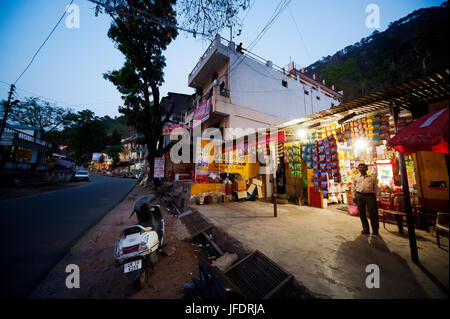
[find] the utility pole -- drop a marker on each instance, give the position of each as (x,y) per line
(7,106)
(5,116)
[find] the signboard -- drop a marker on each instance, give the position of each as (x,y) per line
(158,171)
(202,112)
(167,129)
(7,138)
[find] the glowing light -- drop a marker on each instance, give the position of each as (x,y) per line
(361,144)
(301,133)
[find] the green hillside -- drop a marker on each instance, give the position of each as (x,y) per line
(411,47)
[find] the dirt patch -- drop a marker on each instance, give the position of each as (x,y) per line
(101,278)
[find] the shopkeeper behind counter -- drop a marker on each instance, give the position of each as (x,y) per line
(365,191)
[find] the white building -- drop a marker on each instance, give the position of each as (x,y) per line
(246,91)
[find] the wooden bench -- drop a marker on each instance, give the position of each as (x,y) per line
(398,215)
(441,225)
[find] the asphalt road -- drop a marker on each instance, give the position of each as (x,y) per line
(36,231)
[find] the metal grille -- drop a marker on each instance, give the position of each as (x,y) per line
(257,276)
(196,223)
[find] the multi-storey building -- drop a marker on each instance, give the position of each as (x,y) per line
(241,90)
(134,151)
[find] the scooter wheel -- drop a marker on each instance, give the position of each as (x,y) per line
(141,281)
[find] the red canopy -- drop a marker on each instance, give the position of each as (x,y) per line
(428,133)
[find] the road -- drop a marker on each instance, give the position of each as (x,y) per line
(36,231)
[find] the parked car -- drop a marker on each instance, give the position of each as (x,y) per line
(81,175)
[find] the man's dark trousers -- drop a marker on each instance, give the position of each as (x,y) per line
(371,200)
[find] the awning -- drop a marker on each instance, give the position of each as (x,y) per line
(428,133)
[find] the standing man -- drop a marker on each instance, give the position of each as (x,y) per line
(365,191)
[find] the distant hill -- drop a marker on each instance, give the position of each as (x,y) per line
(115,126)
(411,47)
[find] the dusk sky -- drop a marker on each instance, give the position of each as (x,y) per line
(68,70)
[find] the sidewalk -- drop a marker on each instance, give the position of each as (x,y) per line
(101,278)
(325,251)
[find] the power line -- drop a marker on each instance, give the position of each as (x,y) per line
(48,37)
(277,12)
(300,34)
(62,103)
(249,8)
(147,16)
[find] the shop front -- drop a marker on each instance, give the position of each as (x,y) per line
(320,159)
(237,170)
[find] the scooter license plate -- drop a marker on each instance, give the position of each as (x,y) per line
(132,266)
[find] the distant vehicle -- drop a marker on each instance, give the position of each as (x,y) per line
(81,175)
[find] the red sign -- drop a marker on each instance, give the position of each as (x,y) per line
(167,129)
(202,112)
(274,138)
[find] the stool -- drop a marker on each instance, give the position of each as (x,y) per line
(398,215)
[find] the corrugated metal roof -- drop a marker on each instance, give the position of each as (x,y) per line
(424,90)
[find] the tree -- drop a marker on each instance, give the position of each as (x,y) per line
(38,113)
(113,152)
(115,138)
(87,135)
(142,30)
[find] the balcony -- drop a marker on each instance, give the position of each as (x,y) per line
(218,94)
(214,57)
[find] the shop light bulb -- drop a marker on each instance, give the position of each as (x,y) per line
(361,144)
(301,133)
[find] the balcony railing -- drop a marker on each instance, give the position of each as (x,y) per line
(217,40)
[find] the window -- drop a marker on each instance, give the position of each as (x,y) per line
(284,83)
(306,92)
(318,97)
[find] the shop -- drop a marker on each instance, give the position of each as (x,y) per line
(319,159)
(236,171)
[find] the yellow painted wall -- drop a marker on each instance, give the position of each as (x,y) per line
(236,165)
(206,188)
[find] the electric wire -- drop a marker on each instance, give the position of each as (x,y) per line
(277,12)
(45,41)
(300,34)
(91,105)
(147,16)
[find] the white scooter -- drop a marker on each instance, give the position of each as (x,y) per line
(139,244)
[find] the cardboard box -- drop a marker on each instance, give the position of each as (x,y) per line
(257,182)
(251,189)
(242,194)
(260,193)
(239,185)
